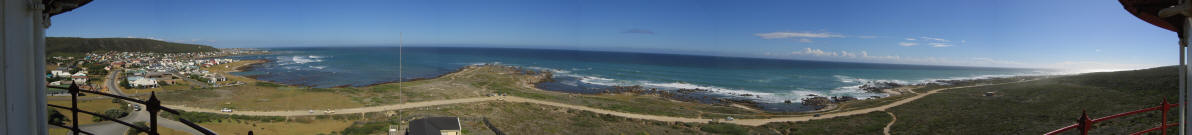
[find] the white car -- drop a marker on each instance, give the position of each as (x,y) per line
(227,110)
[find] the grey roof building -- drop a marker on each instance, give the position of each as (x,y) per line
(435,126)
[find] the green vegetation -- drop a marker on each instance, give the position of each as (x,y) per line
(112,113)
(1031,107)
(198,78)
(213,117)
(1027,107)
(134,131)
(71,46)
(124,84)
(268,84)
(727,129)
(56,117)
(869,123)
(367,128)
(1042,106)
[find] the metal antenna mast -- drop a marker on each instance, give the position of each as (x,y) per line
(400,41)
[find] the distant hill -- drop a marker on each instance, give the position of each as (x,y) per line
(71,46)
(1159,80)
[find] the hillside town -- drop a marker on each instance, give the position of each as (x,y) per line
(139,70)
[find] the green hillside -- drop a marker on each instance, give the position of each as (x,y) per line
(71,46)
(1032,107)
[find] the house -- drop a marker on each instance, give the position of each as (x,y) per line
(165,77)
(138,81)
(214,78)
(136,72)
(118,64)
(79,79)
(435,126)
(60,72)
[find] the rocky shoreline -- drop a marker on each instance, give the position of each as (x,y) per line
(818,102)
(685,95)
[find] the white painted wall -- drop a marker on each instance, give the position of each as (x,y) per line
(22,48)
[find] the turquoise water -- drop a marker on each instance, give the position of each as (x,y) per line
(773,81)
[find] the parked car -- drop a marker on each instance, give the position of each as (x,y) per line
(227,110)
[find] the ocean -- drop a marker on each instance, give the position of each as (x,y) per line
(769,80)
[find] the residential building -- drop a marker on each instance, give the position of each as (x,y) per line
(435,126)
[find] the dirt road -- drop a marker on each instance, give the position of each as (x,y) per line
(750,122)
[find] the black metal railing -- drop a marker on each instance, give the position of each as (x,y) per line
(152,105)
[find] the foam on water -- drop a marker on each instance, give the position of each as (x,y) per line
(770,81)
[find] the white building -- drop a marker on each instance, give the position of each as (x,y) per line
(137,81)
(79,78)
(60,73)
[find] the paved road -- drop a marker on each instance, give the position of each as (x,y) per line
(750,122)
(113,86)
(113,128)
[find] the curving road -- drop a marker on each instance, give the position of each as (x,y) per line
(113,128)
(750,122)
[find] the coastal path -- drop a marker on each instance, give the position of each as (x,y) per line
(893,119)
(750,122)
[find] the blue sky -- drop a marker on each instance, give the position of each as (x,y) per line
(1066,34)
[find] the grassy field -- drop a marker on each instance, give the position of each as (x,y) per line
(1041,106)
(178,85)
(870,123)
(166,131)
(469,82)
(256,95)
(241,127)
(511,118)
(96,106)
(1032,107)
(1029,107)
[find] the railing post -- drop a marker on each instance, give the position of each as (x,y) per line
(1085,123)
(74,108)
(1163,127)
(153,106)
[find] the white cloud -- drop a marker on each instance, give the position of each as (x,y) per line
(935,39)
(847,54)
(805,40)
(907,44)
(814,52)
(939,44)
(780,35)
(910,39)
(864,56)
(1098,50)
(983,59)
(153,38)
